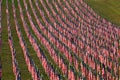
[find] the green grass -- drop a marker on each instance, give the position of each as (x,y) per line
(108,9)
(6,59)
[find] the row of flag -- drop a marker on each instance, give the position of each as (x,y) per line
(30,63)
(10,41)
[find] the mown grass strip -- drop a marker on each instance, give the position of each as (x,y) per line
(5,54)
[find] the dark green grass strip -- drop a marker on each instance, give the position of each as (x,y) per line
(25,75)
(6,58)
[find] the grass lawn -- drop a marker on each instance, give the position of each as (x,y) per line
(7,73)
(109,9)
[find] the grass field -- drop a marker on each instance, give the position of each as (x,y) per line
(109,9)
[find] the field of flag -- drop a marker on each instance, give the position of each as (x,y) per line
(57,40)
